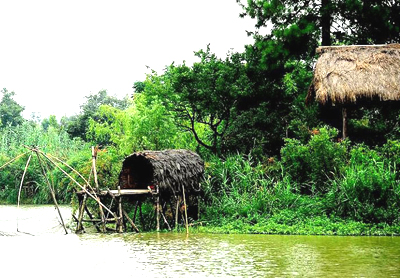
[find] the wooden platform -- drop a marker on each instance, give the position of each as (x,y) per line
(122,192)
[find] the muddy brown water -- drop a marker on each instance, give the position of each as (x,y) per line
(40,249)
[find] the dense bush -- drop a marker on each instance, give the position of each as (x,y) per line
(312,165)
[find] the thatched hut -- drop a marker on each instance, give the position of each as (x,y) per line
(346,74)
(170,170)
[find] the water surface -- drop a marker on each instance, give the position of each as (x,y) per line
(41,249)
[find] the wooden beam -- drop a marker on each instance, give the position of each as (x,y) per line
(344,130)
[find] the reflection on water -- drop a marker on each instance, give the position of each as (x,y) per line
(50,253)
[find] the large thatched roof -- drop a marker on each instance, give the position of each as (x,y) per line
(170,169)
(344,74)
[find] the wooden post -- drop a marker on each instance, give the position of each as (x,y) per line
(130,221)
(20,187)
(344,130)
(184,203)
(120,227)
(53,195)
(94,157)
(158,207)
(177,212)
(82,204)
(102,216)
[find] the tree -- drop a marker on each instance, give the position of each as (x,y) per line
(10,110)
(205,95)
(338,21)
(77,125)
(138,87)
(50,122)
(293,29)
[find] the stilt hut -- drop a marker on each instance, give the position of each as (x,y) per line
(345,74)
(170,170)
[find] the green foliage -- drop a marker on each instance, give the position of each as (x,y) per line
(312,165)
(145,125)
(204,96)
(10,110)
(369,190)
(35,189)
(78,125)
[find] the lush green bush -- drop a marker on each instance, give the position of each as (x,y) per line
(368,190)
(312,165)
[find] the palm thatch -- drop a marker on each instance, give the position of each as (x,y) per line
(344,74)
(169,169)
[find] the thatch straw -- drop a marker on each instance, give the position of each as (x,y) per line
(346,73)
(169,169)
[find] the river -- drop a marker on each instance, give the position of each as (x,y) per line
(41,249)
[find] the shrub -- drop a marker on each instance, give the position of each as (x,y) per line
(312,165)
(369,190)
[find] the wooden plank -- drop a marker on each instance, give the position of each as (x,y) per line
(127,192)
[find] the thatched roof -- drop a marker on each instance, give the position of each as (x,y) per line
(170,169)
(344,74)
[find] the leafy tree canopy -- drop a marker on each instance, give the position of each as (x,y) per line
(77,125)
(10,110)
(204,95)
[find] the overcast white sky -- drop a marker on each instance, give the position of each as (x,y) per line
(53,53)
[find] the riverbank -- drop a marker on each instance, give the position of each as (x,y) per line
(314,226)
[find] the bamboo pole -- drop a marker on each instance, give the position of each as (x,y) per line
(120,227)
(165,219)
(184,203)
(53,195)
(177,212)
(94,157)
(135,211)
(20,187)
(91,217)
(130,221)
(82,205)
(102,216)
(12,160)
(78,184)
(344,130)
(158,208)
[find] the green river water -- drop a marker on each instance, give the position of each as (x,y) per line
(40,249)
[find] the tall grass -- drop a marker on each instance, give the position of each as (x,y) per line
(52,140)
(347,184)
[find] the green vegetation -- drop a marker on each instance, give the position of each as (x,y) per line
(273,164)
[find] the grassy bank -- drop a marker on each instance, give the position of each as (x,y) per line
(320,187)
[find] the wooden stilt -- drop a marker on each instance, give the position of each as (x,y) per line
(82,205)
(177,212)
(120,227)
(344,130)
(130,221)
(141,217)
(92,218)
(134,213)
(184,203)
(158,208)
(162,212)
(102,216)
(198,208)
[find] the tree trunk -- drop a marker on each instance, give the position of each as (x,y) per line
(326,21)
